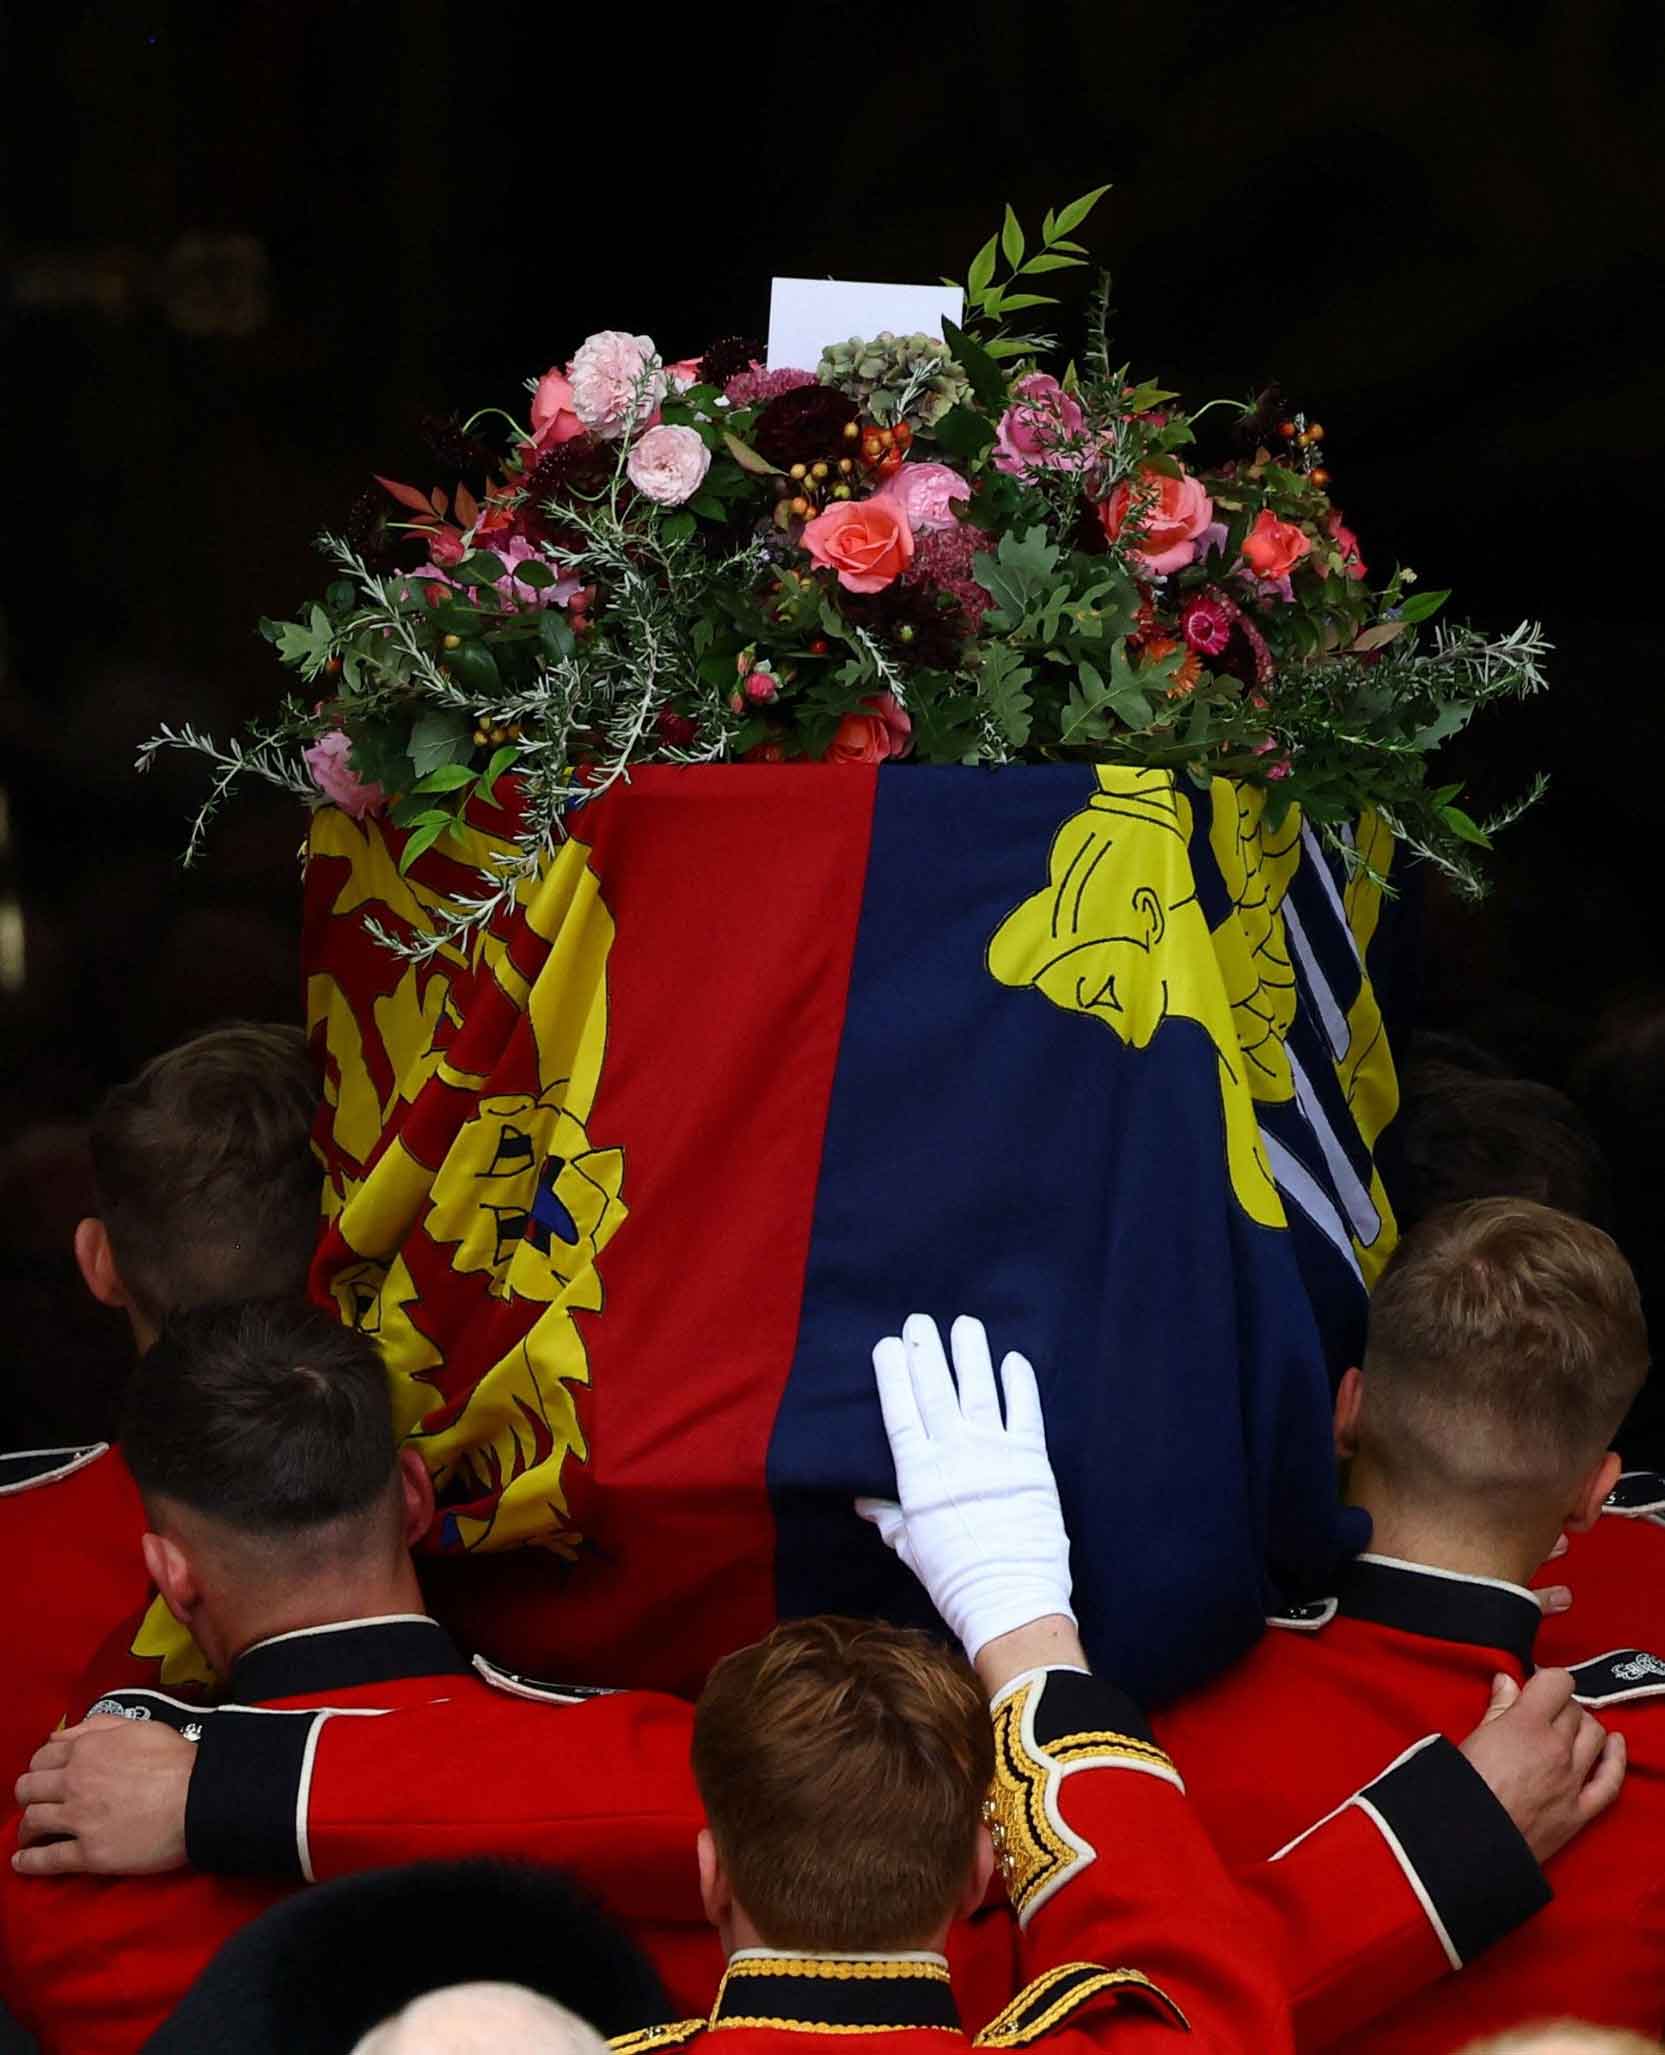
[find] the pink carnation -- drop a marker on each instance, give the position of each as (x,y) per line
(617,381)
(926,494)
(337,780)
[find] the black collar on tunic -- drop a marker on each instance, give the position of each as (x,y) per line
(334,1658)
(836,1993)
(1442,1605)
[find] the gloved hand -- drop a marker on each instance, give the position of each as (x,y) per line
(978,1521)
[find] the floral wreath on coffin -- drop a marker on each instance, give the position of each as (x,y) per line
(937,551)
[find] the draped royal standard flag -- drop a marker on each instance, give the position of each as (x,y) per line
(767,1058)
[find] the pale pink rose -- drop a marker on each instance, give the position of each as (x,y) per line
(880,731)
(683,373)
(337,780)
(926,493)
(553,419)
(617,382)
(866,541)
(1041,418)
(668,465)
(1174,514)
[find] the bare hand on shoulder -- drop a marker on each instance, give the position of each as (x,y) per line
(106,1798)
(1550,1765)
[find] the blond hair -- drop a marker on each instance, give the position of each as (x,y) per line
(1564,2037)
(843,1765)
(1506,1344)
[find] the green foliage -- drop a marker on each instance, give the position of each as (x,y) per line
(1331,691)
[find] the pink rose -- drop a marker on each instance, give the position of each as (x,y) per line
(683,373)
(617,382)
(1170,523)
(882,731)
(337,780)
(926,494)
(668,465)
(1031,430)
(1272,548)
(866,541)
(1352,560)
(553,419)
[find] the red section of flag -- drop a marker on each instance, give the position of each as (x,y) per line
(736,896)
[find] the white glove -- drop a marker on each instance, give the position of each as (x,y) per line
(979,1522)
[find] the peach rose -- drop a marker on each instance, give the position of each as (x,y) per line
(882,731)
(553,419)
(1272,548)
(866,541)
(1169,524)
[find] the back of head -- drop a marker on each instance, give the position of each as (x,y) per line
(270,1426)
(1506,1341)
(206,1180)
(483,2019)
(843,1766)
(1465,1136)
(1564,2037)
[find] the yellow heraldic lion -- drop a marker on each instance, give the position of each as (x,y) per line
(1118,934)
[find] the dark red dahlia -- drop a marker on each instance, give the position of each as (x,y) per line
(912,621)
(455,448)
(727,358)
(369,535)
(803,426)
(578,466)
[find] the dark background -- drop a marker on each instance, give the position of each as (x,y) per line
(248,243)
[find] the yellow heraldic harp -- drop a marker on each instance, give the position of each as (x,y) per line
(1118,934)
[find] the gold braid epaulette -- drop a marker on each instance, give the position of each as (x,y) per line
(1052,1997)
(1035,1847)
(671,2035)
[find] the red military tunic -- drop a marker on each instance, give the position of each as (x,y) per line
(1616,1573)
(601,1786)
(1132,1933)
(1401,1657)
(93,1965)
(70,1522)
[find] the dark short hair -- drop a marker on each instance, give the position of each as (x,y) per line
(1506,1341)
(843,1766)
(204,1169)
(270,1417)
(1463,1136)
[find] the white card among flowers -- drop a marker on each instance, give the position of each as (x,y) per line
(805,314)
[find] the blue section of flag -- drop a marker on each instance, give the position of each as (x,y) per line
(986,1152)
